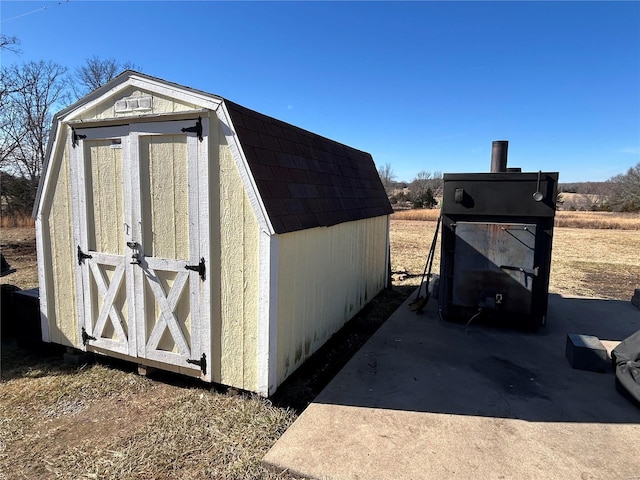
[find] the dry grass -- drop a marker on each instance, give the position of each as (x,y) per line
(423,214)
(591,220)
(96,421)
(18,245)
(598,220)
(585,262)
(13,221)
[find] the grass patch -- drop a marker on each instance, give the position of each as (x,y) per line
(421,214)
(101,421)
(17,220)
(201,434)
(591,220)
(598,220)
(585,262)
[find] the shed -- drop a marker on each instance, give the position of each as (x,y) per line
(179,230)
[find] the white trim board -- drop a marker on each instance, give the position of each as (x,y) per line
(248,181)
(268,315)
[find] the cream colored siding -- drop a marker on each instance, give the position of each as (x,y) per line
(105,205)
(60,255)
(238,232)
(164,175)
(161,104)
(326,275)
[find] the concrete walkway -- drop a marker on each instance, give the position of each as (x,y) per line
(425,399)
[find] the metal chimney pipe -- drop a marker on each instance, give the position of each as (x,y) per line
(499,156)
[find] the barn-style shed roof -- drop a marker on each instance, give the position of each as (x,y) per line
(306,180)
(303,180)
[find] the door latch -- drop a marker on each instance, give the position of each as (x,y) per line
(82,256)
(136,254)
(202,363)
(200,268)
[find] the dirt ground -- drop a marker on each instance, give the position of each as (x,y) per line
(101,420)
(19,248)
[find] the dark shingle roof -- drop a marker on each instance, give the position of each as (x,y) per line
(306,180)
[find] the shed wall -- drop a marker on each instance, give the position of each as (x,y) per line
(58,260)
(326,275)
(239,261)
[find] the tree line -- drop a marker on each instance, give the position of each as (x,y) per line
(621,193)
(422,192)
(30,94)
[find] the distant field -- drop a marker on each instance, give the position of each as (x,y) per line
(593,220)
(585,261)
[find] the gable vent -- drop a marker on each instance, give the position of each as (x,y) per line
(133,104)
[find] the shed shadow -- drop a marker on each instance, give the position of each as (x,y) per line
(420,363)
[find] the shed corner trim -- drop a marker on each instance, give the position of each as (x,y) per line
(268,314)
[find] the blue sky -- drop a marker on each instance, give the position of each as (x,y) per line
(419,85)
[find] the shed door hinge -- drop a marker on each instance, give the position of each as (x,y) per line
(75,137)
(82,256)
(200,268)
(202,363)
(197,129)
(86,337)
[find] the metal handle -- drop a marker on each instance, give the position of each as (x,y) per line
(538,195)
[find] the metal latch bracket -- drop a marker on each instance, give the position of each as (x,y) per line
(202,363)
(82,256)
(86,337)
(200,268)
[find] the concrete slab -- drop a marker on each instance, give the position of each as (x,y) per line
(429,399)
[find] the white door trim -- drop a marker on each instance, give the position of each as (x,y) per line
(133,275)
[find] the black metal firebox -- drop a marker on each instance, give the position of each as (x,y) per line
(497,231)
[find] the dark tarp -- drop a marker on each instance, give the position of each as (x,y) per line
(5,267)
(626,358)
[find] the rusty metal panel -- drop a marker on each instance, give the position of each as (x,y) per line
(493,265)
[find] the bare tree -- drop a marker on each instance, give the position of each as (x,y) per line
(95,72)
(421,182)
(7,85)
(425,180)
(422,190)
(31,93)
(387,176)
(437,183)
(9,43)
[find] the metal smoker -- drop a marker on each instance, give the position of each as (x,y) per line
(497,231)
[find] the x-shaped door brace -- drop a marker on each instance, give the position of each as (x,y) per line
(108,293)
(167,319)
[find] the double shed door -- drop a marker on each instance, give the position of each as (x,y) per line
(142,216)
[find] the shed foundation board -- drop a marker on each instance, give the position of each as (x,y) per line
(426,399)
